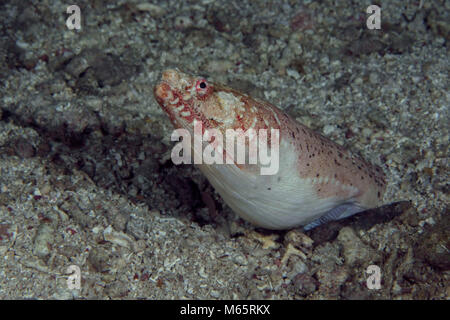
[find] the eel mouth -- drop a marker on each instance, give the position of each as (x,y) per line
(163,92)
(173,94)
(172,85)
(164,88)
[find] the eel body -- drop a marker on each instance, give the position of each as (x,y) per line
(315,181)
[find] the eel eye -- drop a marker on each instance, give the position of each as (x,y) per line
(201,86)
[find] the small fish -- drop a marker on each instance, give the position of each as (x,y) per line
(317,180)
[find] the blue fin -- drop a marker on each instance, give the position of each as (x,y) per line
(340,212)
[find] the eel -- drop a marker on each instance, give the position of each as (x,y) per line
(315,181)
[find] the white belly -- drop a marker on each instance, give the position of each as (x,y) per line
(279,201)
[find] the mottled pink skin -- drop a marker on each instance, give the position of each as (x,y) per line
(332,170)
(320,157)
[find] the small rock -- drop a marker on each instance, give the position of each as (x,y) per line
(240,259)
(118,238)
(154,10)
(138,227)
(139,246)
(183,22)
(299,240)
(329,129)
(77,66)
(304,284)
(215,294)
(120,220)
(354,250)
(298,267)
(200,37)
(77,214)
(374,78)
(43,240)
(267,242)
(365,46)
(99,258)
(434,245)
(24,149)
(5,230)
